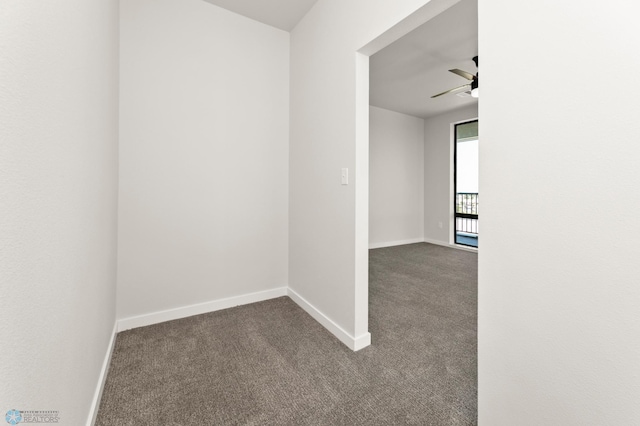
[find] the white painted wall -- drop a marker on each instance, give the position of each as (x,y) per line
(438,173)
(204,155)
(329,131)
(58,186)
(396,178)
(559,283)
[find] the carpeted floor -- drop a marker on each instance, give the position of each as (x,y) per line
(270,363)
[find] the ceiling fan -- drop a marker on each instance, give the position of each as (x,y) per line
(473,85)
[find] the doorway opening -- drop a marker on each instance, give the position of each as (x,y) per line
(415,62)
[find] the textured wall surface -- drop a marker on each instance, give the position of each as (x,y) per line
(559,329)
(58,186)
(203,208)
(396,177)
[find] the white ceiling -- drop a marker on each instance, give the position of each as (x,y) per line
(405,74)
(283,14)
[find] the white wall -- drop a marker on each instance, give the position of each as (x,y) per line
(329,128)
(438,173)
(559,293)
(204,155)
(58,186)
(396,178)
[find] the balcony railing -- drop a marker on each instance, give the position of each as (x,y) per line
(466,225)
(466,216)
(467,203)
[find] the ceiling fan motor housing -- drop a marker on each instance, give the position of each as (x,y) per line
(474,83)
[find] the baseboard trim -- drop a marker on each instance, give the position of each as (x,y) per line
(353,343)
(455,246)
(396,243)
(200,308)
(97,396)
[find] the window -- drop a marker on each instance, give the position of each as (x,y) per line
(465,183)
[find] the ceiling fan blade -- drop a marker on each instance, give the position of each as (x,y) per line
(463,74)
(464,86)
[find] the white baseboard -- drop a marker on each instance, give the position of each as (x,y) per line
(353,343)
(455,246)
(97,396)
(197,309)
(396,243)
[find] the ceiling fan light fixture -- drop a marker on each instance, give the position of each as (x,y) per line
(473,81)
(474,84)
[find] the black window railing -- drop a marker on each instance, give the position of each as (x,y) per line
(467,212)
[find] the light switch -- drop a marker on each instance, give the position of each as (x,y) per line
(345,176)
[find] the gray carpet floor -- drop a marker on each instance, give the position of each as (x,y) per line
(270,363)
